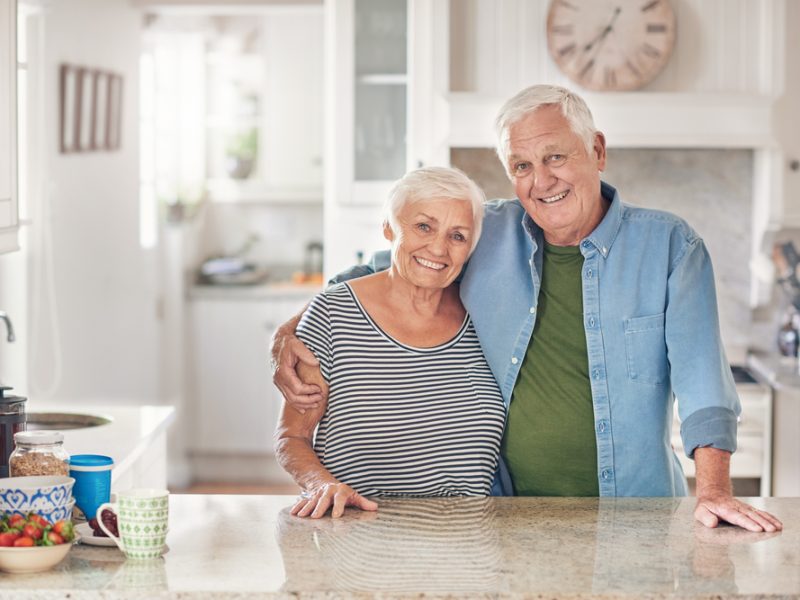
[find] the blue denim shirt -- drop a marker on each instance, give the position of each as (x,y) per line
(652,334)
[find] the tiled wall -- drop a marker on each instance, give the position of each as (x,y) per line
(711,189)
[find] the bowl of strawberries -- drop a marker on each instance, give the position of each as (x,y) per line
(30,544)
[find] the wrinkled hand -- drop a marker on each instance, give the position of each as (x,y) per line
(716,505)
(316,502)
(287,352)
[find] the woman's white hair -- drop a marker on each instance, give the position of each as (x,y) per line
(572,106)
(436,183)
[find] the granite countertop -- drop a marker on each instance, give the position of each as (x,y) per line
(130,432)
(235,547)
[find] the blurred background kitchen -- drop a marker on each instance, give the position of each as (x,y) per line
(148,254)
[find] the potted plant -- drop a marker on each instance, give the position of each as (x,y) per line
(241,153)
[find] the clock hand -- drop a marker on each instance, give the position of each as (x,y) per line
(602,35)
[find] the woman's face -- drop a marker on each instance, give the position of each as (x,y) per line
(433,241)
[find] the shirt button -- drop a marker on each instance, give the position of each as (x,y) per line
(596,373)
(589,274)
(591,321)
(585,244)
(602,426)
(606,474)
(533,309)
(514,360)
(605,250)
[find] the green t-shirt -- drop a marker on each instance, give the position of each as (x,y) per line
(549,443)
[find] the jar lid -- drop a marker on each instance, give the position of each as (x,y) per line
(38,437)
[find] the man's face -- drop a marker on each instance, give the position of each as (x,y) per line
(556,180)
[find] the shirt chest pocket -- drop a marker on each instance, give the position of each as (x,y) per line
(646,350)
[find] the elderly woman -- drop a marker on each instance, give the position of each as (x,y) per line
(413,409)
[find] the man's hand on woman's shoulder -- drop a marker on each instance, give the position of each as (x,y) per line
(288,353)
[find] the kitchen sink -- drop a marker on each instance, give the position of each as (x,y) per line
(61,421)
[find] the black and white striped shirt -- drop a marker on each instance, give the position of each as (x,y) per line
(400,420)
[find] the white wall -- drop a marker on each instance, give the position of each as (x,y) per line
(104,282)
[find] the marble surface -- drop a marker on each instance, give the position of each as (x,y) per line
(125,439)
(249,546)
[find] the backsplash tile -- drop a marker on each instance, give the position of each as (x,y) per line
(710,188)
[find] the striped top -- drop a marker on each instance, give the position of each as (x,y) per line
(400,420)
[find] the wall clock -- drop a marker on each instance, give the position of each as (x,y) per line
(610,44)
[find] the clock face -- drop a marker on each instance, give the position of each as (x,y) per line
(610,44)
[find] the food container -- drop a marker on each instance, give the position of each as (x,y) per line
(39,453)
(12,421)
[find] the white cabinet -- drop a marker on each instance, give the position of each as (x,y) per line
(235,406)
(8,126)
(753,458)
(381,59)
(264,107)
(367,48)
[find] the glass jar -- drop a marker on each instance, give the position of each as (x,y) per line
(39,453)
(12,421)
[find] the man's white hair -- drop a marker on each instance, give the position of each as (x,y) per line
(441,183)
(572,106)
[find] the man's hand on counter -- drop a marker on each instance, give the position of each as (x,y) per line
(715,500)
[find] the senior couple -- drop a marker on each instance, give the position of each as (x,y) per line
(550,369)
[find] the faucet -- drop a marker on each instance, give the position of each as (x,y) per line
(9,326)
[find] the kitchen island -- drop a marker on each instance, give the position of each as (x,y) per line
(250,547)
(134,436)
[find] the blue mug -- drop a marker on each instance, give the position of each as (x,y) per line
(92,474)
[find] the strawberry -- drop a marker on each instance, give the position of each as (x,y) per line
(64,529)
(16,521)
(54,538)
(32,530)
(24,541)
(39,520)
(7,539)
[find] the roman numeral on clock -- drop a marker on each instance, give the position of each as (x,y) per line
(650,51)
(566,50)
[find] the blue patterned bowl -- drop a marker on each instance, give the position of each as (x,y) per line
(42,494)
(56,514)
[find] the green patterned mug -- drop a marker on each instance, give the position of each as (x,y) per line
(142,519)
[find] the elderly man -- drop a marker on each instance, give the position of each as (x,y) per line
(594,316)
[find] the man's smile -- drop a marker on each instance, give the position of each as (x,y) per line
(555,198)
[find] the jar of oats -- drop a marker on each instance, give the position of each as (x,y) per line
(38,453)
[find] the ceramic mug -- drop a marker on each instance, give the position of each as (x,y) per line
(142,521)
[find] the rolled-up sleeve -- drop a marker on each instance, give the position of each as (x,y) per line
(701,378)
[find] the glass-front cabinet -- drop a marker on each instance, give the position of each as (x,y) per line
(369,91)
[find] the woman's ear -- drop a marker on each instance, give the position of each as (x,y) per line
(387,231)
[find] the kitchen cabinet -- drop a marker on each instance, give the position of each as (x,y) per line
(382,59)
(367,46)
(9,220)
(235,406)
(264,108)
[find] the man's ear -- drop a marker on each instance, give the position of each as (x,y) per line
(599,149)
(387,231)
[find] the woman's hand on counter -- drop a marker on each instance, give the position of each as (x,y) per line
(337,496)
